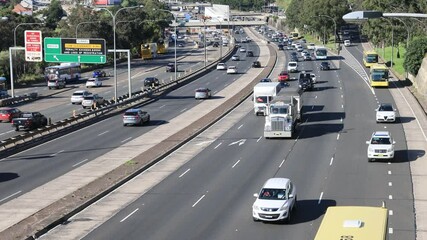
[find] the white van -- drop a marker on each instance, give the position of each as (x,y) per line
(56,83)
(347,43)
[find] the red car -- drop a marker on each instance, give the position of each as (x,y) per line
(283,76)
(8,113)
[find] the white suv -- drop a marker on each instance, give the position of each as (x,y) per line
(275,201)
(292,67)
(380,146)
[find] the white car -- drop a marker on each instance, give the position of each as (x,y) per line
(221,66)
(300,48)
(313,77)
(380,146)
(93,82)
(303,53)
(275,201)
(235,58)
(242,49)
(347,43)
(78,96)
(310,46)
(231,70)
(385,113)
(92,100)
(292,67)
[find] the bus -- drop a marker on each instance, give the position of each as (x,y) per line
(370,58)
(379,75)
(320,53)
(294,35)
(161,47)
(64,72)
(353,222)
(146,52)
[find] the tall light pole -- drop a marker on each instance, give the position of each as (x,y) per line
(335,31)
(77,26)
(423,23)
(114,42)
(220,49)
(392,41)
(204,40)
(176,36)
(407,32)
(21,24)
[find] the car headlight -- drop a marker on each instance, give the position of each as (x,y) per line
(390,150)
(285,207)
(255,207)
(371,149)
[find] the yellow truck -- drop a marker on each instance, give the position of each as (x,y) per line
(146,52)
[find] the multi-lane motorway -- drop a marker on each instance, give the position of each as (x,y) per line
(210,196)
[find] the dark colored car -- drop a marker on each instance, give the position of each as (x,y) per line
(151,81)
(170,67)
(29,120)
(305,82)
(256,64)
(215,44)
(265,80)
(98,74)
(280,46)
(249,54)
(294,58)
(8,113)
(325,66)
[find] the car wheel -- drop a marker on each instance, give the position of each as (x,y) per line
(288,219)
(255,219)
(16,129)
(370,159)
(124,124)
(148,119)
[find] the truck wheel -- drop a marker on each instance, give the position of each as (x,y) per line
(16,129)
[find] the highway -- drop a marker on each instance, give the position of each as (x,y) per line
(210,196)
(36,166)
(58,106)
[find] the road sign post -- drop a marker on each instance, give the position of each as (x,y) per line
(33,46)
(75,50)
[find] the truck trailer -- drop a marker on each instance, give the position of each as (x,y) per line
(264,93)
(284,114)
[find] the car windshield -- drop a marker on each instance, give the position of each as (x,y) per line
(292,64)
(149,79)
(89,98)
(131,113)
(388,108)
(78,94)
(5,111)
(377,77)
(26,115)
(201,90)
(263,99)
(380,140)
(272,194)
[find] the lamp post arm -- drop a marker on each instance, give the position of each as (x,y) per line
(21,24)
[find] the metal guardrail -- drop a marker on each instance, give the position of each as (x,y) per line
(46,133)
(19,99)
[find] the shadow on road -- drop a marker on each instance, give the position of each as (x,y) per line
(7,176)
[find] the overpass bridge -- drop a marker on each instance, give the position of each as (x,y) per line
(217,23)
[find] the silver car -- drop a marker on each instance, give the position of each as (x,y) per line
(202,93)
(56,83)
(135,116)
(78,96)
(92,101)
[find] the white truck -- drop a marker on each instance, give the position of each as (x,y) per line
(284,114)
(264,93)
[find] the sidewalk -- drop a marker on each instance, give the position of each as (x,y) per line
(416,139)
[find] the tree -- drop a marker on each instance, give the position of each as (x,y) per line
(415,53)
(53,14)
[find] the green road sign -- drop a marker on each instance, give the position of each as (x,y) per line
(74,50)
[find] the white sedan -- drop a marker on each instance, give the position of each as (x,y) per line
(221,66)
(242,49)
(231,70)
(93,82)
(385,113)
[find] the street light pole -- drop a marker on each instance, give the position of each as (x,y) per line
(77,27)
(392,41)
(176,36)
(220,47)
(407,32)
(114,43)
(21,24)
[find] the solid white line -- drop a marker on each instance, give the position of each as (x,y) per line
(390,212)
(338,136)
(183,110)
(52,155)
(332,160)
(390,197)
(127,139)
(103,133)
(390,184)
(18,192)
(320,198)
(389,172)
(240,126)
(184,173)
(218,145)
(283,161)
(236,163)
(259,139)
(80,162)
(200,199)
(130,214)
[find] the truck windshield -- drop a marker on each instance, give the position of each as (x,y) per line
(263,99)
(278,110)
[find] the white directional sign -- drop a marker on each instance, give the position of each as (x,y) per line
(33,46)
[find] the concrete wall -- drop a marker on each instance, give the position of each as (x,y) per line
(420,81)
